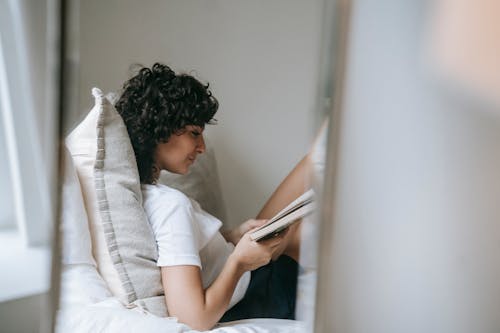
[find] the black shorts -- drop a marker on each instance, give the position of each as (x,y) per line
(270,294)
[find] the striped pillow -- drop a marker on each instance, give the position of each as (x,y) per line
(122,241)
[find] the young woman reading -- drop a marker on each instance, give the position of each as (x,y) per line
(207,276)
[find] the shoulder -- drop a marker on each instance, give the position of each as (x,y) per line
(169,212)
(159,194)
(164,205)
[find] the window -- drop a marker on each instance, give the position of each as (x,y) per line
(27,144)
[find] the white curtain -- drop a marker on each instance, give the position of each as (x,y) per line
(28,124)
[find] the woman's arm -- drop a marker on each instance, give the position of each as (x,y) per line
(201,309)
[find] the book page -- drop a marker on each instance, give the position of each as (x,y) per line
(297,203)
(297,209)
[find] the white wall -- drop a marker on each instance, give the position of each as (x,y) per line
(417,224)
(260,58)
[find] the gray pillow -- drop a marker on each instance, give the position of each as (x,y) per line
(123,244)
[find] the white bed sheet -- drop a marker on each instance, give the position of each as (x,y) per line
(86,305)
(111,316)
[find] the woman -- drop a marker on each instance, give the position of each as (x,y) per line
(204,272)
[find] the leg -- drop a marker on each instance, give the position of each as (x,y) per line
(279,277)
(271,294)
(294,184)
(291,243)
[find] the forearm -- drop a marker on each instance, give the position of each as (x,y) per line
(201,309)
(220,292)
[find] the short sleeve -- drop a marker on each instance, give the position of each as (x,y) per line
(176,235)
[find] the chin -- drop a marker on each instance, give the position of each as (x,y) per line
(181,170)
(184,171)
(178,171)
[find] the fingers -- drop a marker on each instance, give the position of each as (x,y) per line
(252,224)
(284,232)
(276,240)
(259,223)
(252,230)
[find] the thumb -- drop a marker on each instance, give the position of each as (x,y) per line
(252,229)
(258,223)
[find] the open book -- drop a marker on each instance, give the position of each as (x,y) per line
(297,209)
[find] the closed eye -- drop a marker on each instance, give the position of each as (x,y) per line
(195,133)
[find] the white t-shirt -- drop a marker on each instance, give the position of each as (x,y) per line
(187,235)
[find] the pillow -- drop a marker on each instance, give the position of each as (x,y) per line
(122,240)
(201,183)
(76,246)
(81,284)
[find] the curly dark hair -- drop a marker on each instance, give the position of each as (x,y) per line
(157,103)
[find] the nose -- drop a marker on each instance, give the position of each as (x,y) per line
(200,146)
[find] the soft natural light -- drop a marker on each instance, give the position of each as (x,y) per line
(26,218)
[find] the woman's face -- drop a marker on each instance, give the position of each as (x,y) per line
(180,151)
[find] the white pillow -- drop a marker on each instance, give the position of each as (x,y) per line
(122,241)
(81,284)
(76,246)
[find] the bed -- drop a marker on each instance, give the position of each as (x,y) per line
(109,280)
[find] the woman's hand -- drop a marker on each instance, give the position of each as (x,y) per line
(250,255)
(234,235)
